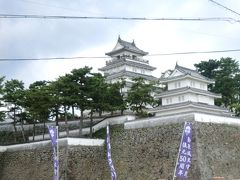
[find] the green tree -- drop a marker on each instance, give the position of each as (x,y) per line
(96,89)
(56,102)
(2,113)
(114,98)
(38,102)
(226,74)
(80,78)
(13,95)
(208,68)
(140,95)
(65,90)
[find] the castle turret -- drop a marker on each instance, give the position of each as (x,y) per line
(187,91)
(127,63)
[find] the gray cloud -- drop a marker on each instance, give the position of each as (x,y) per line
(35,38)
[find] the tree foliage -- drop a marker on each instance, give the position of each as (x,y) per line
(79,84)
(114,98)
(80,89)
(38,100)
(2,113)
(13,95)
(226,73)
(140,95)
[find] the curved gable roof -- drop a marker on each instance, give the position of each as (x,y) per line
(180,72)
(127,46)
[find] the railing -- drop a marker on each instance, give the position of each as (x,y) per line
(124,57)
(41,134)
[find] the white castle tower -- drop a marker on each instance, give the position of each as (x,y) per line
(127,63)
(187,91)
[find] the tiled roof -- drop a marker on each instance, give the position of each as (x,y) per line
(186,72)
(187,89)
(128,46)
(191,72)
(120,62)
(192,104)
(131,75)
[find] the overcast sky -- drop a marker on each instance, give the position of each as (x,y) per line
(37,38)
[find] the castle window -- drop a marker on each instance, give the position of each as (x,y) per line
(142,71)
(177,84)
(180,98)
(202,86)
(192,84)
(169,101)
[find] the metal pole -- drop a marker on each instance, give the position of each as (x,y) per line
(179,151)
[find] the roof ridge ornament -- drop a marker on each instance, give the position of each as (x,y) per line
(176,64)
(119,38)
(133,43)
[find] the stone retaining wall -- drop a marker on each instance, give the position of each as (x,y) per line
(138,154)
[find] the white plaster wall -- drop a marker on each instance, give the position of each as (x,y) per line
(188,83)
(216,119)
(115,70)
(205,99)
(191,97)
(171,85)
(187,97)
(164,101)
(85,142)
(199,117)
(184,83)
(177,99)
(138,70)
(69,141)
(173,100)
(197,98)
(175,111)
(157,121)
(197,84)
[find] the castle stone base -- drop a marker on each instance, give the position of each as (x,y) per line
(144,149)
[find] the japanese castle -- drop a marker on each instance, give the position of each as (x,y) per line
(127,63)
(187,91)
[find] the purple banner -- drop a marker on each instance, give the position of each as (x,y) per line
(185,152)
(53,135)
(53,130)
(55,166)
(109,158)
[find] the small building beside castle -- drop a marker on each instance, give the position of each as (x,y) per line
(187,91)
(127,62)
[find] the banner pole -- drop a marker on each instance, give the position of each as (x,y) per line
(179,152)
(109,158)
(57,154)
